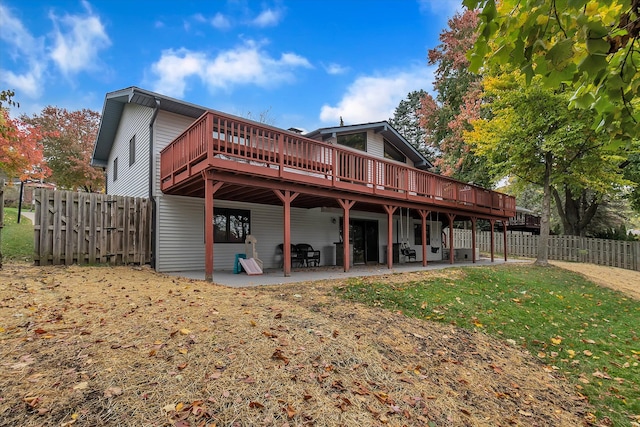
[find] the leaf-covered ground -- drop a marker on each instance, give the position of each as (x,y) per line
(125,346)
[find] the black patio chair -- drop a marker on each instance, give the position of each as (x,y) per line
(408,252)
(309,255)
(297,258)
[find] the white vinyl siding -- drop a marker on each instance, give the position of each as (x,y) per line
(375,144)
(132,180)
(166,128)
(180,234)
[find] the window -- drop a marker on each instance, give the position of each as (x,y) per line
(231,225)
(132,150)
(115,169)
(391,152)
(417,234)
(354,140)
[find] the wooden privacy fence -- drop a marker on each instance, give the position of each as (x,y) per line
(613,253)
(91,228)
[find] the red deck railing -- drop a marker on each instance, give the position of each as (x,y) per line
(216,140)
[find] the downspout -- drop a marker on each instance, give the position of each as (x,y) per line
(152,177)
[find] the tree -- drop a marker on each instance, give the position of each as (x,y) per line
(593,45)
(68,138)
(529,132)
(406,120)
(631,171)
(444,118)
(21,151)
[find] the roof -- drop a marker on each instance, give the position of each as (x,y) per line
(384,128)
(114,103)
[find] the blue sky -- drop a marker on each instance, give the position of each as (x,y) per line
(304,62)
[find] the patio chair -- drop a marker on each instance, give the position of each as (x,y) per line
(309,255)
(296,257)
(408,252)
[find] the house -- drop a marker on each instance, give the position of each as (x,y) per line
(214,178)
(525,220)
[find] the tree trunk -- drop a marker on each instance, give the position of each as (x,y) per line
(575,213)
(543,242)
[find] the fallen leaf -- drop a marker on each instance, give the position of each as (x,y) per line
(185,331)
(81,386)
(525,413)
(556,340)
(587,353)
(278,355)
(40,331)
(256,405)
(599,374)
(112,391)
(290,411)
(32,401)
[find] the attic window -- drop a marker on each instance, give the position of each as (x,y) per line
(391,152)
(354,140)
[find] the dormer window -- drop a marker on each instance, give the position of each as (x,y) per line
(354,140)
(391,152)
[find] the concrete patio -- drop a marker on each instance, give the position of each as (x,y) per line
(276,277)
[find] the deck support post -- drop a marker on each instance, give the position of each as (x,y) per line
(451,248)
(474,220)
(492,222)
(346,206)
(210,188)
(286,197)
(423,215)
(390,210)
(504,237)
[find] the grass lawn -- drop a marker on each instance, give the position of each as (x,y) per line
(17,239)
(586,332)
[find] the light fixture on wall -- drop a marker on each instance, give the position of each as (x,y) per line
(333,220)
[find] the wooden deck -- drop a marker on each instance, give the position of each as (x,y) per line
(232,146)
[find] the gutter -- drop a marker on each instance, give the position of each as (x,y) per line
(152,176)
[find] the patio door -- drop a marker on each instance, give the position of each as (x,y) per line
(363,234)
(365,241)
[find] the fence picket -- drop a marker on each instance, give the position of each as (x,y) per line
(614,253)
(90,228)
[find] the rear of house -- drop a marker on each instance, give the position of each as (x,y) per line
(182,156)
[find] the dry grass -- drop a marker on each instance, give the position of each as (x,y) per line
(124,346)
(618,279)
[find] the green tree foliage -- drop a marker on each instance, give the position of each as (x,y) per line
(528,131)
(594,46)
(406,120)
(68,138)
(444,118)
(631,171)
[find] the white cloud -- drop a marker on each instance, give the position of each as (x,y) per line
(267,18)
(335,69)
(78,41)
(174,67)
(25,48)
(374,98)
(220,22)
(244,65)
